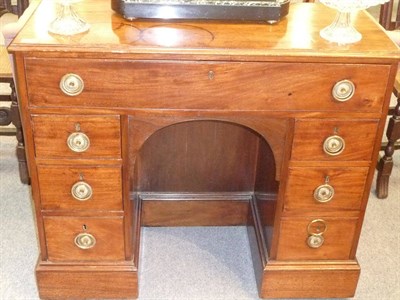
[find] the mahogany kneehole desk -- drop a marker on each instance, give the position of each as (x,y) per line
(201,123)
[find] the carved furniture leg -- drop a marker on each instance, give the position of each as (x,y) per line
(5,112)
(385,164)
(20,149)
(5,116)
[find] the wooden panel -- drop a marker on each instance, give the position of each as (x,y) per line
(55,183)
(91,282)
(203,156)
(235,127)
(61,233)
(189,85)
(265,181)
(338,242)
(51,133)
(348,184)
(266,208)
(329,280)
(296,38)
(310,134)
(194,213)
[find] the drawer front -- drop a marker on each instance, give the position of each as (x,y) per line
(325,188)
(200,85)
(53,132)
(80,188)
(338,239)
(61,233)
(311,135)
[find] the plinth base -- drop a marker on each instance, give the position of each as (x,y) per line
(309,280)
(275,278)
(298,279)
(87,282)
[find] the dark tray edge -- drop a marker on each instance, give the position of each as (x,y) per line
(270,14)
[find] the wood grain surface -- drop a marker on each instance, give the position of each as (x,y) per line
(56,183)
(61,233)
(296,279)
(309,136)
(295,38)
(51,133)
(338,237)
(194,213)
(102,282)
(206,85)
(348,185)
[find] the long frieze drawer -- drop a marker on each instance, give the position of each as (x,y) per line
(206,85)
(76,136)
(84,238)
(316,238)
(325,188)
(80,188)
(330,140)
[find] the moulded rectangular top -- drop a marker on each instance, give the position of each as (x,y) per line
(294,37)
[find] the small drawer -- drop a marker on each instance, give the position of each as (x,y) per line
(330,140)
(80,188)
(325,188)
(337,243)
(76,136)
(204,85)
(84,238)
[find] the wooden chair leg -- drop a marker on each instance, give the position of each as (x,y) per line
(5,112)
(385,164)
(5,116)
(20,149)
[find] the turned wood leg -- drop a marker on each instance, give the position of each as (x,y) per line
(5,116)
(385,164)
(5,112)
(20,149)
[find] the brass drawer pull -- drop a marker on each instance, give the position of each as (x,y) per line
(78,142)
(315,241)
(324,193)
(334,145)
(81,191)
(343,90)
(85,241)
(316,228)
(71,84)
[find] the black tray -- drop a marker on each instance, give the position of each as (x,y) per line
(270,11)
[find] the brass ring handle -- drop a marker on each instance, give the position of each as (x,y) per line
(334,145)
(324,193)
(71,84)
(317,227)
(81,191)
(343,90)
(315,241)
(85,241)
(78,142)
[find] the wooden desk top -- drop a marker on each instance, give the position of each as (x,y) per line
(296,35)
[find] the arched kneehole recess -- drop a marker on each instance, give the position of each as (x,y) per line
(207,173)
